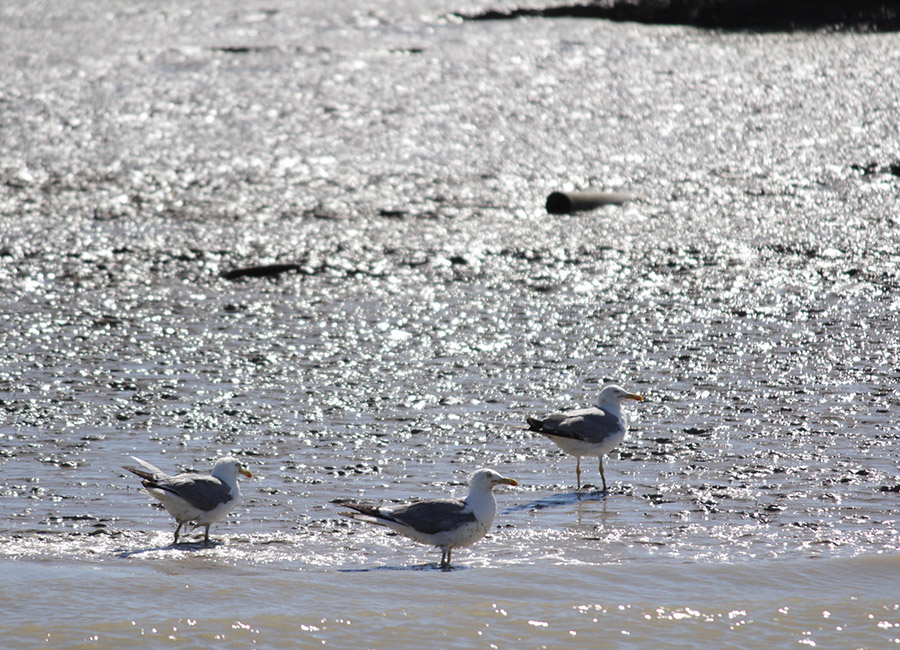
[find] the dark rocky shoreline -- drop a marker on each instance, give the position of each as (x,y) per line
(755,15)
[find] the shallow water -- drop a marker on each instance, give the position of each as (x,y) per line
(173,602)
(402,160)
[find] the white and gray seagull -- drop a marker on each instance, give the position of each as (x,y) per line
(199,498)
(588,432)
(445,523)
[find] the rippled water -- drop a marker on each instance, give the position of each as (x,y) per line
(829,603)
(401,160)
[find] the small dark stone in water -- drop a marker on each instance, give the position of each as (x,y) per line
(871,168)
(393,214)
(244,49)
(868,168)
(890,488)
(107,321)
(407,50)
(413,263)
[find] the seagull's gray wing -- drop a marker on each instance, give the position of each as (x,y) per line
(433,516)
(590,425)
(200,490)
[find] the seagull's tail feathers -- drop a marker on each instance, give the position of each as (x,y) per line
(149,478)
(535,424)
(148,466)
(364,512)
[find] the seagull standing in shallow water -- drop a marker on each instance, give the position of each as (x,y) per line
(446,523)
(588,432)
(200,498)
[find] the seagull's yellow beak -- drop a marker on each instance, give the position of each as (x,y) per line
(505,481)
(245,472)
(634,396)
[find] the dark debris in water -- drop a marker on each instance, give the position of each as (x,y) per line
(260,271)
(874,167)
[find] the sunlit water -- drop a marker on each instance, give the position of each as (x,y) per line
(402,159)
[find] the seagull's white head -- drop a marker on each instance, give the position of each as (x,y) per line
(228,467)
(614,395)
(486,479)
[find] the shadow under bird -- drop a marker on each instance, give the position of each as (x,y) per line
(199,498)
(592,431)
(445,523)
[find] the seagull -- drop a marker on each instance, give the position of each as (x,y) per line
(200,498)
(446,523)
(588,432)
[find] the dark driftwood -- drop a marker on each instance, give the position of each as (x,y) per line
(261,271)
(566,202)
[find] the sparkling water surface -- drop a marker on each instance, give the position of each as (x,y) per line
(400,157)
